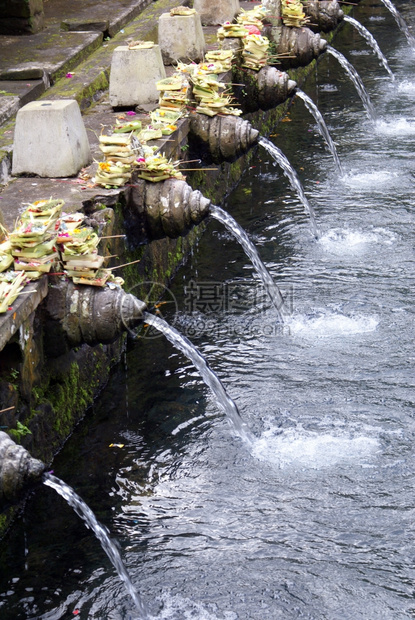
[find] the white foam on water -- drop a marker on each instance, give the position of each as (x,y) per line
(298,448)
(342,239)
(369,180)
(177,607)
(330,324)
(185,425)
(400,127)
(360,53)
(328,88)
(406,87)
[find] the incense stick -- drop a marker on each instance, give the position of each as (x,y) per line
(8,409)
(125,264)
(112,236)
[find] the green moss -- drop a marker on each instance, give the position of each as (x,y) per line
(6,519)
(6,135)
(20,431)
(69,400)
(3,523)
(84,94)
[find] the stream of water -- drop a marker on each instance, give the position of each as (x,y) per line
(400,21)
(313,109)
(372,42)
(295,182)
(356,79)
(250,250)
(86,514)
(182,343)
(314,518)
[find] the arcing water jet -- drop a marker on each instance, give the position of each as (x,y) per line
(371,41)
(355,77)
(171,208)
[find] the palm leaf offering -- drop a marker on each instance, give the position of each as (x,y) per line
(69,221)
(186,69)
(115,171)
(99,278)
(157,168)
(6,258)
(37,251)
(229,30)
(117,148)
(40,265)
(173,102)
(81,260)
(253,17)
(140,45)
(164,115)
(150,133)
(292,13)
(206,87)
(44,208)
(181,10)
(10,289)
(32,242)
(129,127)
(174,82)
(221,59)
(255,53)
(84,241)
(112,174)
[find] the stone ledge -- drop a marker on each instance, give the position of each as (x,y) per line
(9,106)
(21,309)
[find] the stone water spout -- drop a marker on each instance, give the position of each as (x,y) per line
(222,138)
(300,46)
(263,89)
(171,208)
(93,315)
(18,469)
(325,15)
(167,209)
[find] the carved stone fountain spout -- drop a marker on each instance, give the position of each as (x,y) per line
(325,15)
(18,469)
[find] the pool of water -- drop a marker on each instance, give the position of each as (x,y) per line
(315,519)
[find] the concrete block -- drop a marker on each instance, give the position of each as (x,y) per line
(215,12)
(134,73)
(50,139)
(133,77)
(181,38)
